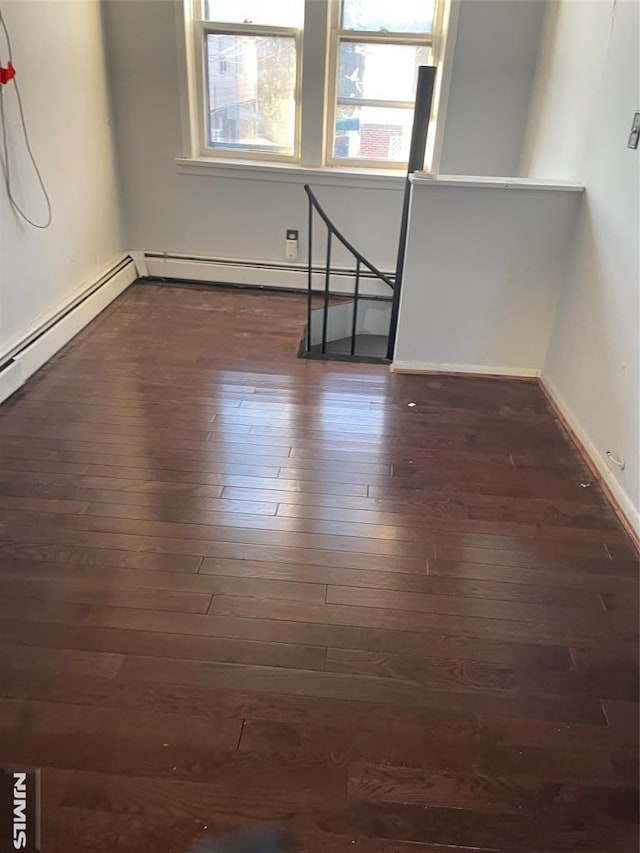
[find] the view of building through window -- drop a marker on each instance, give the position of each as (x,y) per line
(383,75)
(252,81)
(251,84)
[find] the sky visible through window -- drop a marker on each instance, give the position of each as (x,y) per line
(274,13)
(404,16)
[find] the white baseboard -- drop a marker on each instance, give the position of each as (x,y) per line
(256,273)
(10,380)
(428,367)
(629,513)
(64,324)
(140,260)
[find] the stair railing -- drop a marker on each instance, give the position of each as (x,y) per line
(417,148)
(331,232)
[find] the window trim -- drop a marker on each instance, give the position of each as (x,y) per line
(202,29)
(313,145)
(333,103)
(432,40)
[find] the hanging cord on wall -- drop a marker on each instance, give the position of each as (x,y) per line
(5,148)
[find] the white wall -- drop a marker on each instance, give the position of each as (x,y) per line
(494,65)
(167,210)
(58,52)
(592,365)
(573,49)
(481,279)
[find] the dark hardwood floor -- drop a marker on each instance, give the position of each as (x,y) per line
(239,587)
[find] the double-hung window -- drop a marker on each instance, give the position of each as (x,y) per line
(317,82)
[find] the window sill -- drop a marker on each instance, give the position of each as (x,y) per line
(424,178)
(377,179)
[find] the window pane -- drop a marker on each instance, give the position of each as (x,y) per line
(283,13)
(400,16)
(251,92)
(381,72)
(373,133)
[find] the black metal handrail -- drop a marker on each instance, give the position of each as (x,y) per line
(333,230)
(361,261)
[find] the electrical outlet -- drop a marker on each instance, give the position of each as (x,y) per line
(291,244)
(635,132)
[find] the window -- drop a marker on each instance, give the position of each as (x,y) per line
(355,64)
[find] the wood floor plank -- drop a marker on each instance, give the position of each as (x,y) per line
(300,807)
(249,529)
(18,465)
(239,587)
(37,504)
(361,687)
(287,741)
(44,611)
(548,633)
(459,514)
(475,674)
(517,611)
(92,831)
(417,644)
(236,548)
(28,576)
(613,675)
(149,643)
(17,658)
(91,591)
(435,585)
(481,792)
(571,580)
(398,576)
(448,674)
(484,562)
(526,559)
(53,718)
(623,717)
(104,832)
(267,790)
(263,520)
(451,827)
(203,482)
(14,555)
(303,711)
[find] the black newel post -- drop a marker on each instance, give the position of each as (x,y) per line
(424,98)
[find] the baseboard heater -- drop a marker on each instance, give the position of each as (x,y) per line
(267,275)
(41,344)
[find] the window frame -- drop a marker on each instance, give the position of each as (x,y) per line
(201,30)
(315,94)
(338,36)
